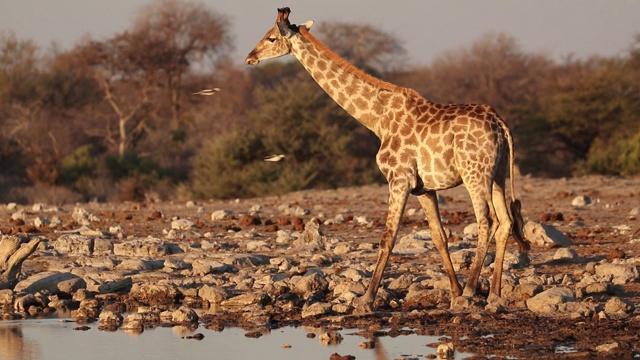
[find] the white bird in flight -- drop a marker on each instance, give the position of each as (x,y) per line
(207,92)
(274,158)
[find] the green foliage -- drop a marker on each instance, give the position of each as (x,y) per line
(615,157)
(129,165)
(297,119)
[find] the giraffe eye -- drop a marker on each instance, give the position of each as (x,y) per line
(271,39)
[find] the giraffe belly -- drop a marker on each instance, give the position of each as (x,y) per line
(438,180)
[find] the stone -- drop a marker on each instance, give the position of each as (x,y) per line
(175,264)
(149,247)
(184,315)
(220,214)
(6,297)
(311,283)
(545,235)
(470,230)
(48,281)
(74,244)
(109,318)
(618,306)
(102,246)
(565,254)
(620,273)
(445,351)
(210,266)
(413,243)
(155,294)
(41,222)
(213,294)
(182,224)
(607,347)
(258,245)
(116,286)
(83,217)
(581,201)
(316,309)
(402,282)
(246,299)
(311,239)
(548,301)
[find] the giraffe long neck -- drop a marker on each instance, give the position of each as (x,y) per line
(363,96)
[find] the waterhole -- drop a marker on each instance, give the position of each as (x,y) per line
(53,339)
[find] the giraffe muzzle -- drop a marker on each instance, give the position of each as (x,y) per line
(251,60)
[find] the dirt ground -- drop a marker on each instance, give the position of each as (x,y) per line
(604,229)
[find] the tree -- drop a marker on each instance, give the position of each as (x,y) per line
(364,45)
(172,37)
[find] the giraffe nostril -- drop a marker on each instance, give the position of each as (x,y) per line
(251,61)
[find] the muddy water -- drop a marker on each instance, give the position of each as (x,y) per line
(53,339)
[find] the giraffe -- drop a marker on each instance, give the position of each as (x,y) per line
(425,147)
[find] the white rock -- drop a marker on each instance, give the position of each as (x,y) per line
(471,230)
(544,235)
(411,244)
(617,306)
(40,222)
(74,244)
(580,201)
(213,294)
(258,245)
(565,254)
(220,214)
(19,215)
(620,273)
(110,318)
(310,283)
(182,224)
(152,247)
(547,302)
(11,206)
(38,207)
(55,221)
(607,347)
(445,351)
(317,309)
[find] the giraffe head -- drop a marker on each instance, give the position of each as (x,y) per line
(277,41)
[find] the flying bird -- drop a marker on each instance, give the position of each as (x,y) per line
(207,92)
(274,158)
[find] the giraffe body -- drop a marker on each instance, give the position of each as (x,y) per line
(425,147)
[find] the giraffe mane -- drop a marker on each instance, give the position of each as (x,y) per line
(349,67)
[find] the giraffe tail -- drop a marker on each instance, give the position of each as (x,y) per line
(515,206)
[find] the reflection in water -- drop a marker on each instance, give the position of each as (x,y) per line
(51,339)
(13,345)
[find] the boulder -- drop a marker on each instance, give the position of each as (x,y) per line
(548,301)
(545,235)
(151,247)
(57,283)
(619,273)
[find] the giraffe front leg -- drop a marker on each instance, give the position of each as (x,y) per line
(398,194)
(429,203)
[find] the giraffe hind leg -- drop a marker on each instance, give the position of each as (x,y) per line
(502,234)
(485,215)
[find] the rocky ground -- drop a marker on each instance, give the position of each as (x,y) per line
(301,259)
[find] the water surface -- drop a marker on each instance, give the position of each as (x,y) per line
(53,339)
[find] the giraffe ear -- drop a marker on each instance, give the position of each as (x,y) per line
(285,31)
(307,25)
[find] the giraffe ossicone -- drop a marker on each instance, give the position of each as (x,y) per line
(425,147)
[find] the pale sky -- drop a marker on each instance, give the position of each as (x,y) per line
(427,28)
